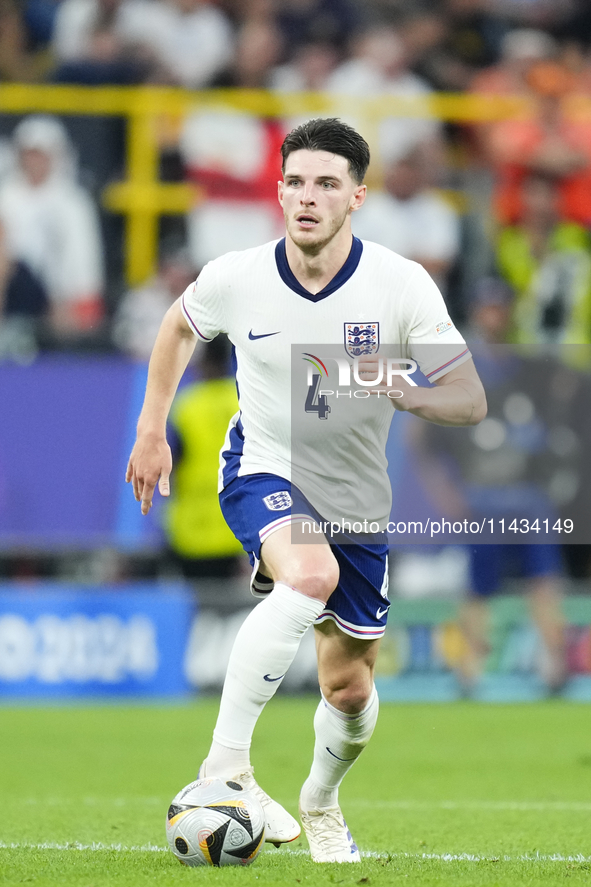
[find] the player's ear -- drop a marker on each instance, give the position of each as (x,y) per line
(280,192)
(358,198)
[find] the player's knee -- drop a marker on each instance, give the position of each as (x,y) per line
(317,581)
(350,699)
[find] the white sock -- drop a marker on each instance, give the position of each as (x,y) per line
(265,647)
(340,739)
(224,761)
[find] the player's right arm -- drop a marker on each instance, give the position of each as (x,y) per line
(150,462)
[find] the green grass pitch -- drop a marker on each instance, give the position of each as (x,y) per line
(459,794)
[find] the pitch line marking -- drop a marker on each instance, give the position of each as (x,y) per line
(462,857)
(96,802)
(76,845)
(366,854)
(519,806)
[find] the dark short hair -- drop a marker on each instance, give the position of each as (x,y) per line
(329,134)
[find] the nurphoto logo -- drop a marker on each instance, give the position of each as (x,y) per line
(361,371)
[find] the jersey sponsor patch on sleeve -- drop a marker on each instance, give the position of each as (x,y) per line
(443,326)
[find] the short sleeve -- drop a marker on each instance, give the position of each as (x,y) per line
(434,341)
(202,305)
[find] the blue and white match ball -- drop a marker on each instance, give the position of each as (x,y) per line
(215,822)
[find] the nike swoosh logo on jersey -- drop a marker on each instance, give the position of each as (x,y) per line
(267,677)
(344,760)
(380,612)
(252,336)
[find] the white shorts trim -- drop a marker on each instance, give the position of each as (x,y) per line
(368,632)
(284,521)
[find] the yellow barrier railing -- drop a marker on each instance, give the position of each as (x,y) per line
(142,198)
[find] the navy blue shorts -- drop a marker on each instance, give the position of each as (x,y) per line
(257,505)
(490,564)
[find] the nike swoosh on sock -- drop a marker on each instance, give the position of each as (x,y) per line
(344,760)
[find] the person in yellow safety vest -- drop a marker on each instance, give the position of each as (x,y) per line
(547,262)
(200,542)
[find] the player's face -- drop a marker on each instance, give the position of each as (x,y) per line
(318,196)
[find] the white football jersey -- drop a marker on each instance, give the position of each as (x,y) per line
(291,422)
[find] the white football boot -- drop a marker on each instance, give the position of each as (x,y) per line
(280,826)
(328,836)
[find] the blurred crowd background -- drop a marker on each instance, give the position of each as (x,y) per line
(492,197)
(509,198)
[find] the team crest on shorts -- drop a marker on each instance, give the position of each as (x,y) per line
(278,501)
(362,338)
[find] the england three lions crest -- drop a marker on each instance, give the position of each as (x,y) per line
(362,338)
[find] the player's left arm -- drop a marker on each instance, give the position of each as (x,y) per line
(457,398)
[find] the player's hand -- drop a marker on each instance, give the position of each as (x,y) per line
(400,392)
(149,465)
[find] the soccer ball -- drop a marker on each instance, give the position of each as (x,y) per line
(214,822)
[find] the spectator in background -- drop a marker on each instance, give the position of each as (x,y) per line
(78,22)
(240,12)
(50,229)
(551,143)
(140,311)
(520,49)
(425,33)
(191,40)
(23,305)
(319,21)
(93,45)
(379,67)
(23,300)
(491,309)
(453,42)
(411,218)
(573,55)
(20,58)
(547,262)
(198,537)
(308,70)
(230,156)
(540,13)
(578,26)
(258,49)
(181,42)
(39,17)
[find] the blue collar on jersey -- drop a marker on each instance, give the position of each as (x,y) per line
(341,277)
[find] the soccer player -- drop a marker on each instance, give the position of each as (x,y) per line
(311,286)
